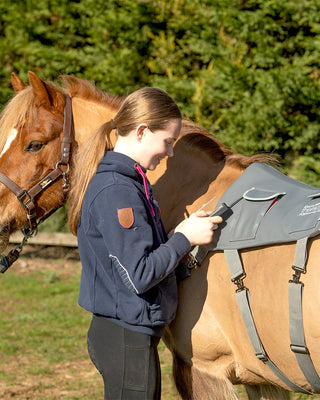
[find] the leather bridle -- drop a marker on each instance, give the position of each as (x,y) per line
(27,198)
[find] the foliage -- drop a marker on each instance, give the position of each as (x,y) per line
(58,222)
(252,73)
(247,70)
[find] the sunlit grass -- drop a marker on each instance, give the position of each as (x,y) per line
(44,330)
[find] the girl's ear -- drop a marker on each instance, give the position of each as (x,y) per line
(140,130)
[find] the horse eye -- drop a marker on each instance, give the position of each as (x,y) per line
(34,146)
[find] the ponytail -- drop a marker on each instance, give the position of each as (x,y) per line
(85,166)
(149,105)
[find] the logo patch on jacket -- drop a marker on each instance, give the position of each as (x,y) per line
(126,217)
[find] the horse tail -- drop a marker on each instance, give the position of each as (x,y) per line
(194,384)
(266,392)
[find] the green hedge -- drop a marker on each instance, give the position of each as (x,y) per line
(247,70)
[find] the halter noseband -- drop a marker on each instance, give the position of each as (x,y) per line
(27,197)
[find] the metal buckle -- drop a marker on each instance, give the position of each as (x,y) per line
(238,280)
(21,198)
(262,357)
(62,164)
(192,261)
(297,273)
(299,349)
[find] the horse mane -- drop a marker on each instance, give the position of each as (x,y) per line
(16,112)
(22,107)
(195,136)
(77,87)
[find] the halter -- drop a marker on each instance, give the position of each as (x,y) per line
(27,197)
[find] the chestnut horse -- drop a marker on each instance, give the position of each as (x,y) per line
(208,338)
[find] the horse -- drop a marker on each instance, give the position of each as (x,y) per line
(208,338)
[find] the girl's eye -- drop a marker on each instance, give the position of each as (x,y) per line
(34,146)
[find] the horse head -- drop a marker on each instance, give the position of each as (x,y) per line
(31,130)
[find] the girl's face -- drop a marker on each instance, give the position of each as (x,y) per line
(156,145)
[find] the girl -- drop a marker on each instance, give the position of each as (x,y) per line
(128,263)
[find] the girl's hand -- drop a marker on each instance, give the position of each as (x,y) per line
(199,227)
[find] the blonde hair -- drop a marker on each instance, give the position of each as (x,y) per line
(149,105)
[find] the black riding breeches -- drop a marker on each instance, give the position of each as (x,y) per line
(128,361)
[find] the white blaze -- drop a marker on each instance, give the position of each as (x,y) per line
(10,139)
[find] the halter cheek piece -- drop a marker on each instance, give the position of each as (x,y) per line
(27,197)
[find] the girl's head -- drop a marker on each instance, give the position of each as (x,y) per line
(147,123)
(147,105)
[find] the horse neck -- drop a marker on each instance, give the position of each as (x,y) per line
(88,116)
(188,182)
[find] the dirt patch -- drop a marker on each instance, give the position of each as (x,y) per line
(52,385)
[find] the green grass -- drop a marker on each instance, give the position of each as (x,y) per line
(43,332)
(40,313)
(43,354)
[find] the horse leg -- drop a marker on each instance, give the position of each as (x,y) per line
(266,392)
(194,384)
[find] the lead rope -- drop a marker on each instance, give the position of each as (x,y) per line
(13,255)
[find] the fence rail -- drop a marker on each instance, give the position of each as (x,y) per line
(47,239)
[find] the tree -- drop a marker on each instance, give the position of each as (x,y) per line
(247,70)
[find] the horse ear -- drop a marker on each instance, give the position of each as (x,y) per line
(39,89)
(45,95)
(17,83)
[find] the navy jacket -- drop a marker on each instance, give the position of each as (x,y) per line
(127,260)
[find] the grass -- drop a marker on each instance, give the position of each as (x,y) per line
(43,354)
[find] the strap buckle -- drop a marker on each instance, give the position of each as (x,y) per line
(297,273)
(262,357)
(238,280)
(192,261)
(24,198)
(299,349)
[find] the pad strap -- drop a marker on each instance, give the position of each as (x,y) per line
(243,299)
(296,328)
